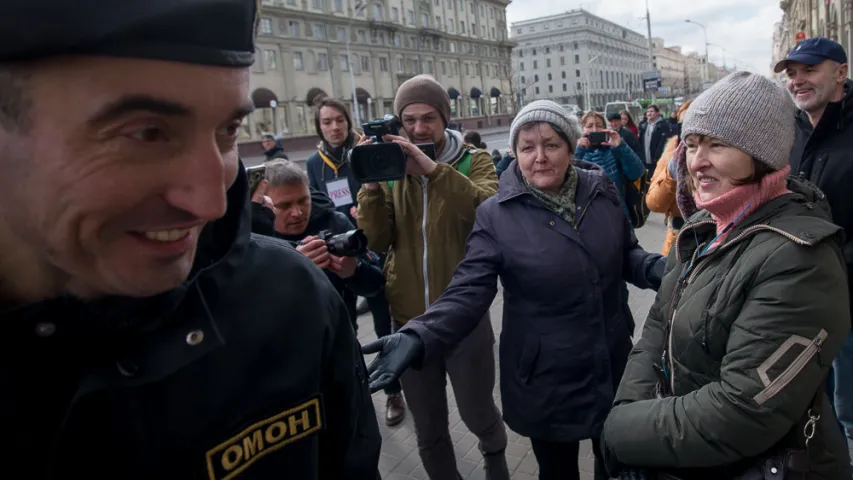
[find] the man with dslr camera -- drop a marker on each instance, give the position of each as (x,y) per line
(423,221)
(308,220)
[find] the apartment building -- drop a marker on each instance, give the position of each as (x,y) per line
(560,57)
(672,65)
(303,50)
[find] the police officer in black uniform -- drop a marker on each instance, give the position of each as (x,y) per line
(146,333)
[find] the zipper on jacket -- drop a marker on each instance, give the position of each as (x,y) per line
(793,369)
(424,183)
(583,212)
(681,284)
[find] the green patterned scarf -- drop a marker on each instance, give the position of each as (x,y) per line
(563,202)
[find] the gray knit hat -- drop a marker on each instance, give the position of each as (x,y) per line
(746,111)
(546,111)
(423,89)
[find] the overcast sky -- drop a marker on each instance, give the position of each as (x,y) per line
(743,27)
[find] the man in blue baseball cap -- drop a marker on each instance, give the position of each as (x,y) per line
(823,154)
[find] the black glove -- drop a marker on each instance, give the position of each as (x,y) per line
(397,352)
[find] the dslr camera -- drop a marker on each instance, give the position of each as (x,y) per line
(348,244)
(381,161)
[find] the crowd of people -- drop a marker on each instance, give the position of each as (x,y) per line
(182,321)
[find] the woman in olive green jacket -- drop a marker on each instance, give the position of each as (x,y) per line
(751,312)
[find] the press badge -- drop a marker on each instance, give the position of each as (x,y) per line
(339,192)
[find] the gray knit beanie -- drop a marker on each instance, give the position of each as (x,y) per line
(746,111)
(423,89)
(546,111)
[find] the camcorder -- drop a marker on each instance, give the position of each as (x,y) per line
(348,244)
(382,161)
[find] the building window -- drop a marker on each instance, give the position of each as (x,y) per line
(429,67)
(564,74)
(425,20)
(535,64)
(383,64)
(443,67)
(322,62)
(468,69)
(377,11)
(411,14)
(521,66)
(575,45)
(266,26)
(562,61)
(438,21)
(395,14)
(520,53)
(359,11)
(549,77)
(473,28)
(344,63)
(397,41)
(362,36)
(342,34)
(461,26)
(537,90)
(365,64)
(535,78)
(579,87)
(577,59)
(548,63)
(339,6)
(454,69)
(565,88)
(451,27)
(297,61)
(269,60)
(561,47)
(523,81)
(320,31)
(400,68)
(547,50)
(578,73)
(482,10)
(550,89)
(293,28)
(534,52)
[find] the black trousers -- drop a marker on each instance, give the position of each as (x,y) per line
(559,460)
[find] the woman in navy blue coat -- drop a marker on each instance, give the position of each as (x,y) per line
(556,236)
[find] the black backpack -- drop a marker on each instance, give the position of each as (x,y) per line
(634,194)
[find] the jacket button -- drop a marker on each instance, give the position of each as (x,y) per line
(195,337)
(45,329)
(552,223)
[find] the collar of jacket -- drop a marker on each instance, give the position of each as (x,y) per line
(591,179)
(220,252)
(352,139)
(802,217)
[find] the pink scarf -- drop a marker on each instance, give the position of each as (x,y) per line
(740,202)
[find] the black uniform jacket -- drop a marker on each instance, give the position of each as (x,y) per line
(249,370)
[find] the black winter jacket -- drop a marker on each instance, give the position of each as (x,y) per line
(250,367)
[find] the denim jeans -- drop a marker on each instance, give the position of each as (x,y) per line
(843,376)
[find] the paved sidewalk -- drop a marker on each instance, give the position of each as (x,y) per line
(400,460)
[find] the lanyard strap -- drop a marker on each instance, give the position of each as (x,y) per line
(328,162)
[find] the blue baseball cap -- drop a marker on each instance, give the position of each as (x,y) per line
(812,51)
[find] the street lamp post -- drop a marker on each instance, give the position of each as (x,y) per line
(705,31)
(724,53)
(358,6)
(588,86)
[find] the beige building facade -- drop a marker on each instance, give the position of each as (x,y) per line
(303,54)
(672,65)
